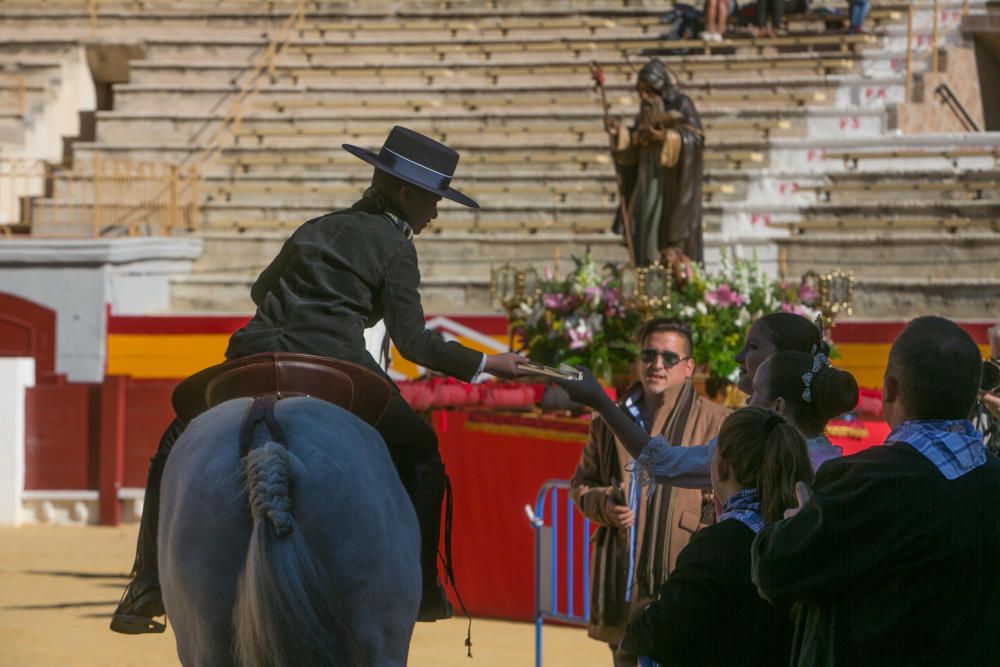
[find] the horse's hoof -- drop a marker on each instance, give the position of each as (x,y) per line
(128,624)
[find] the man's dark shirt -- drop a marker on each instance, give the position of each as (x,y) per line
(334,277)
(890,563)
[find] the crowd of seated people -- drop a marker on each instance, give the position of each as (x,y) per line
(763,18)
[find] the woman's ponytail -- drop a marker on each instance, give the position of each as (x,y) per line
(766,453)
(784,463)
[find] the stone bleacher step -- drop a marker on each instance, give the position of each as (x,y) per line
(313,101)
(455,267)
(899,273)
(911,255)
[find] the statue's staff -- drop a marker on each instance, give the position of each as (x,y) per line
(598,75)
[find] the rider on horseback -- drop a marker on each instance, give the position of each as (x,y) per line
(335,276)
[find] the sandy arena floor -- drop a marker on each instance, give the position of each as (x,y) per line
(58,586)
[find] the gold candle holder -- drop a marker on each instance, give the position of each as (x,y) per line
(836,293)
(513,288)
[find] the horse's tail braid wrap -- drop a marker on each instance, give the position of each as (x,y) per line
(287,612)
(268,480)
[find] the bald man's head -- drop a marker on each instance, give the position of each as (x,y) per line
(933,370)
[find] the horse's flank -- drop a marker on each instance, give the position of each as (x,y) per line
(326,573)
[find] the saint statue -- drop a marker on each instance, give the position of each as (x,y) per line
(659,160)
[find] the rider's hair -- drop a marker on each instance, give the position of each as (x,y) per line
(389,185)
(766,453)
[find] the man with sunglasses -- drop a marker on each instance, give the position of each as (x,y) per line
(641,532)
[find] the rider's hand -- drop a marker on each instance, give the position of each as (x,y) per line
(504,365)
(586,390)
(611,125)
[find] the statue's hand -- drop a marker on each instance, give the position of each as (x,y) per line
(612,125)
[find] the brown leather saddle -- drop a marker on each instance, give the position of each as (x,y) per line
(281,375)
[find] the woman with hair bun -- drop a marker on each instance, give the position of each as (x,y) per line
(759,460)
(776,332)
(809,392)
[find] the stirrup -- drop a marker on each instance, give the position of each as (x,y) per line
(434,605)
(135,612)
(130,624)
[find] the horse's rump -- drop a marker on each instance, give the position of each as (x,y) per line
(350,523)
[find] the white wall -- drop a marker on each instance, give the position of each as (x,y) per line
(78,279)
(16,375)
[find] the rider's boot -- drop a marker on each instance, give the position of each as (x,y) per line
(427,494)
(141,600)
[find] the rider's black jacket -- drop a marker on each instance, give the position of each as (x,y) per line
(335,276)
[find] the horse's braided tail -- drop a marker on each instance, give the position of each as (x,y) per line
(287,612)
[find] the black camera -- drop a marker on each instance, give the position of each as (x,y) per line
(989,381)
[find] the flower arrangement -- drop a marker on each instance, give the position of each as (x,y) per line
(720,307)
(580,319)
(585,318)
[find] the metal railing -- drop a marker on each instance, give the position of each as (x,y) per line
(140,197)
(557,543)
(104,195)
(265,64)
(948,98)
(935,37)
(20,181)
(18,101)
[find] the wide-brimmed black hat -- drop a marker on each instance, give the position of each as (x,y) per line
(416,159)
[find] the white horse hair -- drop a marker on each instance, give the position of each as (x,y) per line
(303,554)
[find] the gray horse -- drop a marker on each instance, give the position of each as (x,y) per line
(302,554)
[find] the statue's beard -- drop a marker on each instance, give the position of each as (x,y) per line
(649,109)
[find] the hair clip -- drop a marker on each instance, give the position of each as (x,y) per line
(820,361)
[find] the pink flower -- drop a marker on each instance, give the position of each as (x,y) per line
(794,308)
(580,335)
(807,294)
(724,297)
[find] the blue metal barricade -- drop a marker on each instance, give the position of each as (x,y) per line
(558,573)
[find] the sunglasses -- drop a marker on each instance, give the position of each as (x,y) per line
(670,359)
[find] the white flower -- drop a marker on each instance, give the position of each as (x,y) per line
(701,307)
